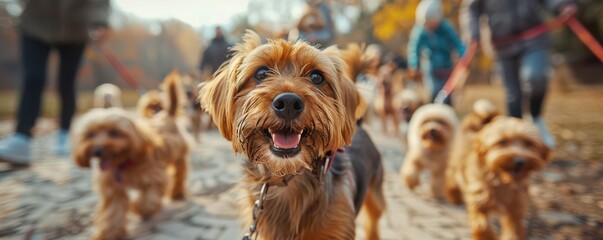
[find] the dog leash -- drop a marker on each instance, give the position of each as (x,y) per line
(463,64)
(258,206)
(119,67)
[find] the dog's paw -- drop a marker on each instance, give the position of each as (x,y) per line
(411,181)
(454,196)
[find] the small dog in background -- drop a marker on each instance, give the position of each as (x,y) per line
(107,95)
(483,113)
(133,153)
(193,108)
(430,135)
(384,99)
(149,104)
(494,177)
(289,107)
(405,104)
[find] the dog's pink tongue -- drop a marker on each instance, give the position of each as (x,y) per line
(286,141)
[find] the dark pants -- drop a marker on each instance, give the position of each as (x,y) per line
(34,59)
(525,74)
(435,81)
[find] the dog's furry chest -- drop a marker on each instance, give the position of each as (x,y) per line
(306,208)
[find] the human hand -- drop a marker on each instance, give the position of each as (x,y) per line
(99,35)
(569,10)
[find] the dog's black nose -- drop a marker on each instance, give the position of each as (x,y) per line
(97,152)
(518,163)
(288,105)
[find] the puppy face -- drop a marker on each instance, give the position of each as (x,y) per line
(512,148)
(283,104)
(111,136)
(436,133)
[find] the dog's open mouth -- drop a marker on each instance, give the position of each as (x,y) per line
(285,143)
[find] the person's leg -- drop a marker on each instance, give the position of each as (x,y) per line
(70,56)
(16,148)
(34,59)
(509,70)
(534,73)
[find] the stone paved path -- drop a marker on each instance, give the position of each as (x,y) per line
(53,199)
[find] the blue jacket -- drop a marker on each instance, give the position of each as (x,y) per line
(436,46)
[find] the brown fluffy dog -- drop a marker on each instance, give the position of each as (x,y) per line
(150,104)
(495,175)
(134,153)
(430,134)
(107,95)
(287,106)
(483,113)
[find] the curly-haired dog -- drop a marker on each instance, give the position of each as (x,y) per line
(288,107)
(107,95)
(430,135)
(495,175)
(133,153)
(483,113)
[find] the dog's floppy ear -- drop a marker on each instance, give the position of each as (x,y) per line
(348,94)
(217,94)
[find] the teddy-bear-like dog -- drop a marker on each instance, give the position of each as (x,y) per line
(494,178)
(483,113)
(133,153)
(107,95)
(289,107)
(431,132)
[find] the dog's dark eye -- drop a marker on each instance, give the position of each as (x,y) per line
(90,135)
(317,78)
(113,133)
(503,143)
(261,74)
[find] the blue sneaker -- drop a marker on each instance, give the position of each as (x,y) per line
(548,139)
(62,147)
(16,149)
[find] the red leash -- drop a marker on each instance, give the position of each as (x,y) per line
(119,67)
(461,67)
(586,37)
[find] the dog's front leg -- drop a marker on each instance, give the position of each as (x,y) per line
(150,199)
(512,227)
(411,169)
(110,216)
(478,221)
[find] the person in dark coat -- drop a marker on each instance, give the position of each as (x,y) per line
(215,54)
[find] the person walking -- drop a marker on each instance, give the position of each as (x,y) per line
(523,63)
(215,54)
(434,39)
(64,26)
